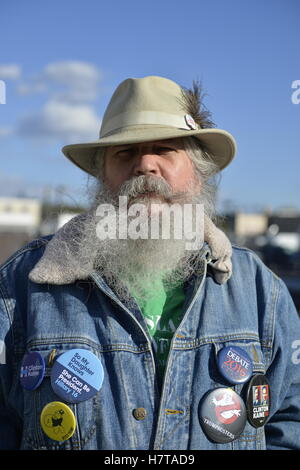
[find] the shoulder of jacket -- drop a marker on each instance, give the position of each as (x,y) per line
(34,249)
(247,257)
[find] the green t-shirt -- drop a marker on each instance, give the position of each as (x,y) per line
(163,313)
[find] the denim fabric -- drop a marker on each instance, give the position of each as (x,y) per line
(253,310)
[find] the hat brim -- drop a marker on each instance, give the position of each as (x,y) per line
(219,143)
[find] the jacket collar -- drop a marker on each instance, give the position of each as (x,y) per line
(61,262)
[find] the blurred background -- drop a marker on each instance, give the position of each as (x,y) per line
(60,61)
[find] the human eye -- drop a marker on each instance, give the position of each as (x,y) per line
(123,152)
(164,149)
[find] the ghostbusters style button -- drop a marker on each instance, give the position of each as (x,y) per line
(77,375)
(222,415)
(32,370)
(258,400)
(58,421)
(235,364)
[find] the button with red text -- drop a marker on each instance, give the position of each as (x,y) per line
(222,415)
(258,400)
(235,364)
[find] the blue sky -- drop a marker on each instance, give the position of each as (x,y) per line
(61,61)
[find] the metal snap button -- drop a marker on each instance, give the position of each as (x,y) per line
(139,413)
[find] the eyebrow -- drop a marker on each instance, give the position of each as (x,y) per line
(120,148)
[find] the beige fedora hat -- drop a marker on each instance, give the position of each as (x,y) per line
(154,108)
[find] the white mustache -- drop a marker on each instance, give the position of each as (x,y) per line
(144,184)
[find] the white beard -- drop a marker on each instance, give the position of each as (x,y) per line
(138,266)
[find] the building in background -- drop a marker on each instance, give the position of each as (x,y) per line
(20,215)
(23,219)
(20,219)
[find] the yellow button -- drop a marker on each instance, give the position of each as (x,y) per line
(58,421)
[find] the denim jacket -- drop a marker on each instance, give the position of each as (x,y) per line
(253,310)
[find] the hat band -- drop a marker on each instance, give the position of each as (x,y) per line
(143,117)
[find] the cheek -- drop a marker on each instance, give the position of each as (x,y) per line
(183,178)
(113,176)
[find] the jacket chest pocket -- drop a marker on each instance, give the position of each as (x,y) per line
(85,413)
(251,437)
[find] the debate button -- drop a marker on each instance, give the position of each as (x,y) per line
(222,415)
(32,370)
(77,375)
(235,364)
(58,421)
(258,400)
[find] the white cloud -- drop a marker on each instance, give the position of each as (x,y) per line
(69,81)
(67,115)
(31,88)
(67,122)
(10,71)
(79,80)
(72,73)
(5,131)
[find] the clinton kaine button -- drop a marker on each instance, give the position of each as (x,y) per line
(77,375)
(234,364)
(222,414)
(32,370)
(258,400)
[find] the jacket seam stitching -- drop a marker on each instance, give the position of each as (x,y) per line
(200,342)
(97,347)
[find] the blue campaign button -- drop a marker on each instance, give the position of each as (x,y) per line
(235,364)
(77,375)
(32,370)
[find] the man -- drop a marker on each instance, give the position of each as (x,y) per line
(146,342)
(264,399)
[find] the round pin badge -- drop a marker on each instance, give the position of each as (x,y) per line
(235,364)
(58,421)
(190,121)
(77,375)
(258,400)
(32,370)
(222,414)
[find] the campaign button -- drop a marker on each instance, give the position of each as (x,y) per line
(58,421)
(32,370)
(77,375)
(222,415)
(190,121)
(258,400)
(235,364)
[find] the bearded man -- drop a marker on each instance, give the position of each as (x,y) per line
(141,341)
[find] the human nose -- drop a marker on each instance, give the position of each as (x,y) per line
(146,164)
